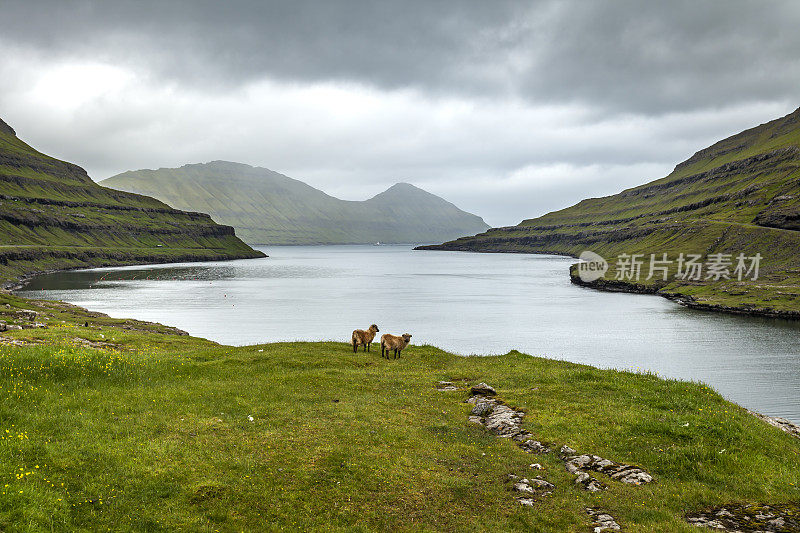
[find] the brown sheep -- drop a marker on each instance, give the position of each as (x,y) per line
(361,337)
(393,342)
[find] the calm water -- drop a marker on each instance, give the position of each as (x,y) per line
(465,303)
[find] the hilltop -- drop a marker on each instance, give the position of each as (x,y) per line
(738,196)
(266,207)
(53,216)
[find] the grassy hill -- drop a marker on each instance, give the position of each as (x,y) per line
(269,208)
(739,196)
(110,424)
(53,216)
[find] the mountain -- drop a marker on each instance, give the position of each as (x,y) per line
(738,196)
(53,216)
(269,208)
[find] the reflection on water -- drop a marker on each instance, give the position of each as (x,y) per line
(461,302)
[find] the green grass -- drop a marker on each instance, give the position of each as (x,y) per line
(151,433)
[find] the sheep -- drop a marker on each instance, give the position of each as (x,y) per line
(361,337)
(393,342)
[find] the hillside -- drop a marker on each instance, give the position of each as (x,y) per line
(121,425)
(53,216)
(269,208)
(739,196)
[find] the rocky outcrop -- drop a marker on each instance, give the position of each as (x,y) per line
(601,520)
(503,421)
(529,490)
(578,465)
(749,518)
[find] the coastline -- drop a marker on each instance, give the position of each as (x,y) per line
(19,281)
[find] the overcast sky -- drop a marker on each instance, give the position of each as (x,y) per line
(508,109)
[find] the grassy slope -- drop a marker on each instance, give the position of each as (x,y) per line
(152,433)
(268,208)
(741,195)
(52,216)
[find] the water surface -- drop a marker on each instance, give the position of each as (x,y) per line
(462,302)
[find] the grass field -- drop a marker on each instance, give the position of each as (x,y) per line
(123,426)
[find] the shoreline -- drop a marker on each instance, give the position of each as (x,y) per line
(19,282)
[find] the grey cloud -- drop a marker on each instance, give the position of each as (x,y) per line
(650,57)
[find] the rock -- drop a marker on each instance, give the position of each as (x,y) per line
(524,487)
(476,420)
(527,502)
(504,421)
(482,407)
(483,389)
(748,518)
(578,465)
(781,423)
(444,386)
(35,325)
(26,314)
(566,451)
(542,484)
(536,466)
(602,521)
(12,327)
(534,446)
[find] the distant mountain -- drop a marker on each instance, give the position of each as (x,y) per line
(269,208)
(738,196)
(53,216)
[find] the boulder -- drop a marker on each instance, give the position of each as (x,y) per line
(483,389)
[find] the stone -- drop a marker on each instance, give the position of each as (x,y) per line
(602,521)
(527,502)
(483,389)
(542,484)
(524,487)
(445,386)
(482,407)
(534,446)
(749,518)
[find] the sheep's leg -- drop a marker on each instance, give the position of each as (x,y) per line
(355,347)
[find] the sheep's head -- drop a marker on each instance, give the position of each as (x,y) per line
(374,328)
(406,337)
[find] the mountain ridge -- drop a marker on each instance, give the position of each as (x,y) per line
(53,216)
(741,195)
(267,207)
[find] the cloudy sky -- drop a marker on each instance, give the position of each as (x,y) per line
(509,109)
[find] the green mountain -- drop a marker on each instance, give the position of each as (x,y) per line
(269,208)
(53,216)
(739,196)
